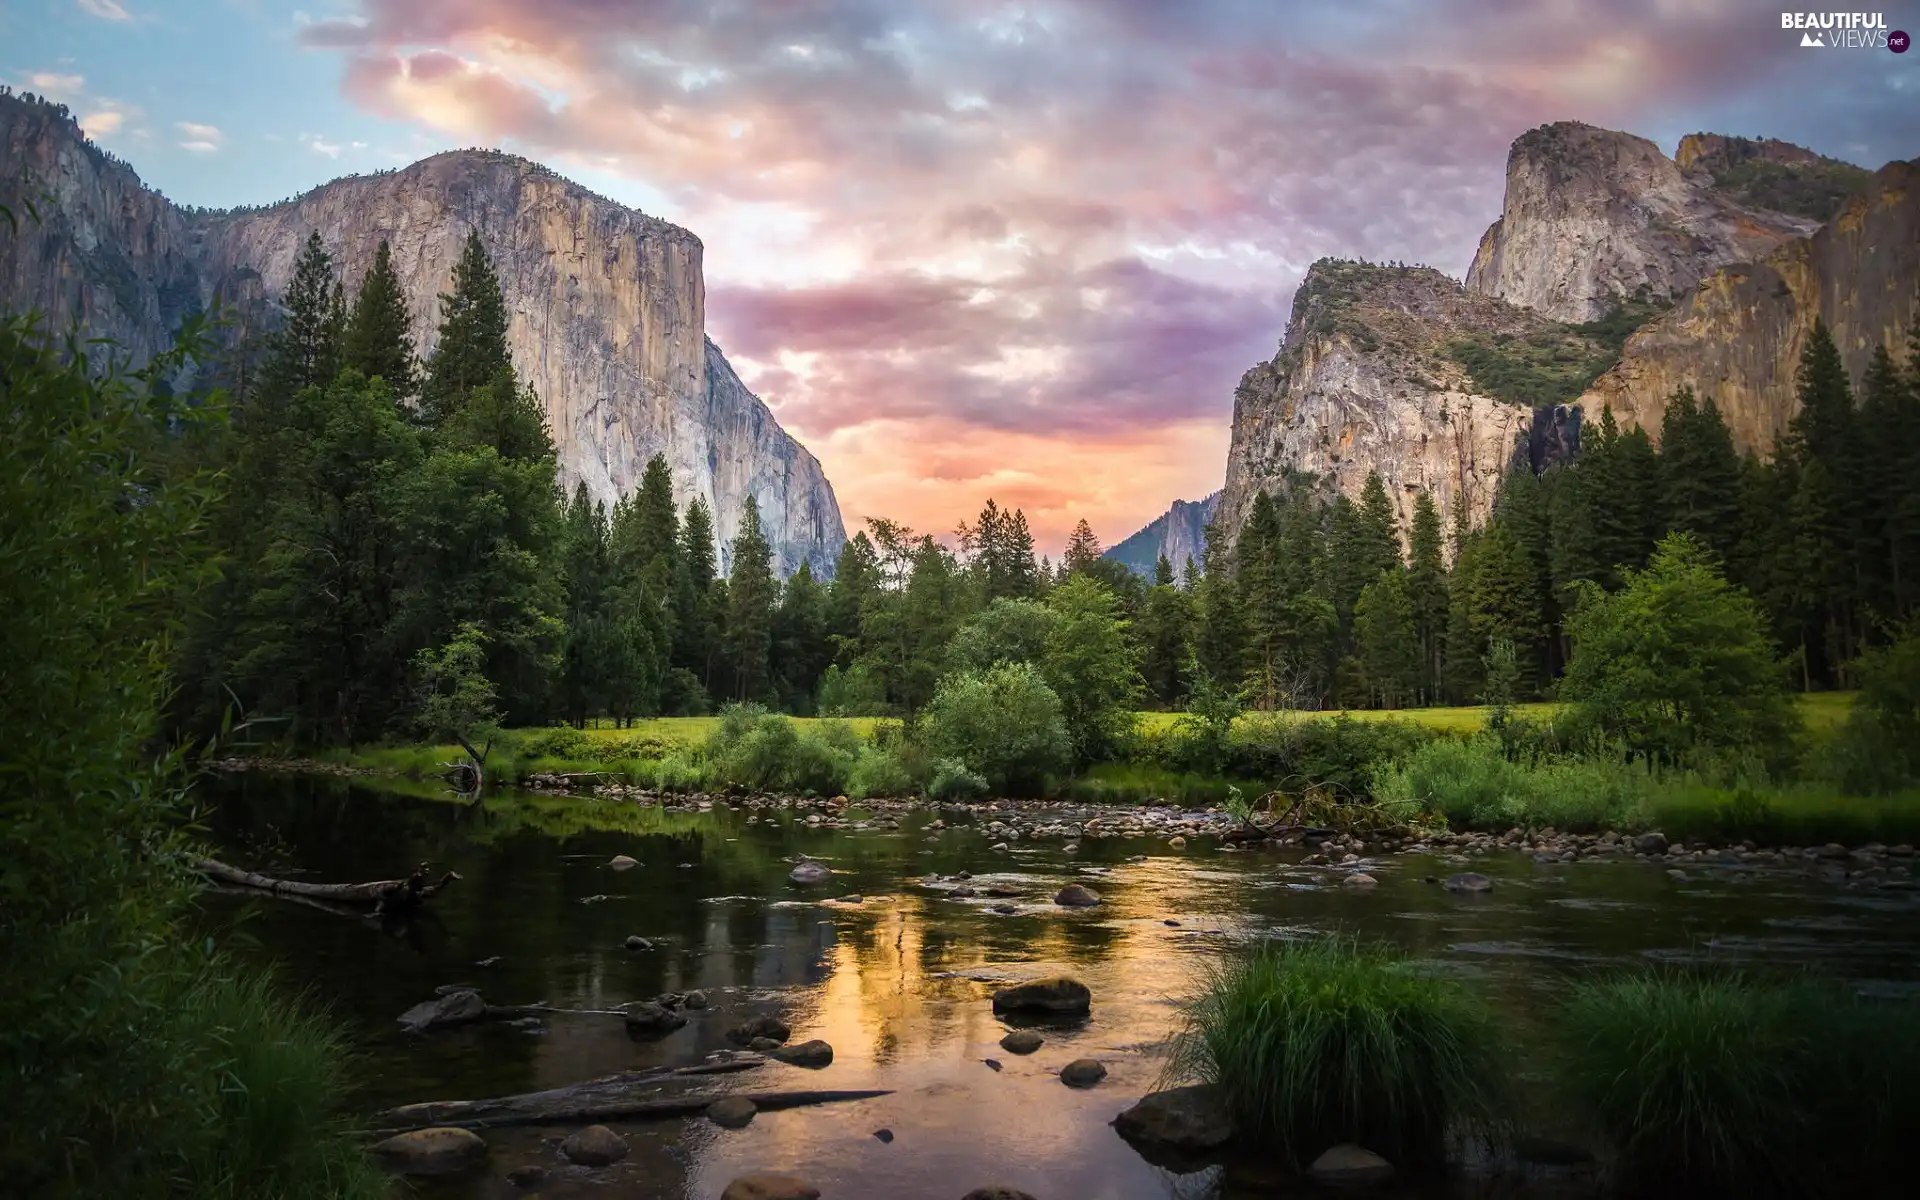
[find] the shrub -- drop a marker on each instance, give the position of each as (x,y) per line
(563,741)
(1729,1085)
(882,771)
(1878,749)
(758,749)
(1473,784)
(1332,1041)
(1340,753)
(1005,724)
(855,691)
(952,780)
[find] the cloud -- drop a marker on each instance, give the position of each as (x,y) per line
(56,86)
(103,123)
(1024,229)
(201,139)
(106,10)
(320,145)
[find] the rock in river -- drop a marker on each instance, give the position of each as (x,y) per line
(431,1152)
(1083,1072)
(760,1027)
(996,1192)
(623,862)
(1467,881)
(770,1187)
(1651,843)
(1022,1041)
(1359,879)
(594,1146)
(650,1019)
(636,942)
(531,1175)
(810,872)
(1054,997)
(732,1112)
(1076,895)
(456,1007)
(1348,1165)
(815,1053)
(1184,1118)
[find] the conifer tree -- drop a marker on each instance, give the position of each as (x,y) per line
(1700,474)
(1166,637)
(751,594)
(1890,479)
(1427,593)
(1219,637)
(1386,639)
(472,350)
(696,619)
(305,351)
(379,337)
(1023,575)
(800,650)
(1083,550)
(1824,457)
(855,588)
(587,653)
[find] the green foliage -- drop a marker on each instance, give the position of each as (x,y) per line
(758,749)
(1203,737)
(119,1043)
(1317,1043)
(1678,663)
(1729,1085)
(378,340)
(1879,746)
(1340,753)
(1815,190)
(1005,631)
(472,349)
(457,699)
(1089,664)
(751,595)
(953,780)
(1005,723)
(854,691)
(1474,785)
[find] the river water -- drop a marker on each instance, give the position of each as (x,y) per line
(899,982)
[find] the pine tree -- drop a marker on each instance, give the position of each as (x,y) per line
(855,588)
(1083,550)
(1166,636)
(800,650)
(587,650)
(472,350)
(1427,592)
(1822,445)
(1023,575)
(1379,539)
(1700,474)
(1219,632)
(1386,639)
(1261,602)
(305,351)
(696,617)
(1890,428)
(751,594)
(379,338)
(503,416)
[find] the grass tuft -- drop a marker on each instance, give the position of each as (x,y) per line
(1317,1043)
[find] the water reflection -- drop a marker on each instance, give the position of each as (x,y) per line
(897,982)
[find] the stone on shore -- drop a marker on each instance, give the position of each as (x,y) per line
(624,862)
(440,1151)
(594,1146)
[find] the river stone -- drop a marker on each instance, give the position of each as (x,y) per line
(530,1176)
(810,872)
(815,1053)
(1176,842)
(431,1152)
(1467,881)
(454,1008)
(770,1187)
(637,942)
(622,862)
(1359,879)
(651,1019)
(1348,1165)
(996,1192)
(1022,1041)
(696,999)
(1056,997)
(732,1112)
(1083,1072)
(1651,843)
(1183,1118)
(760,1027)
(1076,895)
(594,1146)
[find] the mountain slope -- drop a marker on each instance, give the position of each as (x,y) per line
(606,306)
(1177,535)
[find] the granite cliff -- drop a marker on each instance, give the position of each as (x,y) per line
(1738,338)
(1179,534)
(1593,216)
(607,306)
(1403,371)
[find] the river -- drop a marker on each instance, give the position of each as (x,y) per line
(898,983)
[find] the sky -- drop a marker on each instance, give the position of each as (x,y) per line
(966,248)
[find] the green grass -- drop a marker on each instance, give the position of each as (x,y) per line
(1136,783)
(1333,1041)
(1735,1086)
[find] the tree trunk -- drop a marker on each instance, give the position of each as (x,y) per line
(385,895)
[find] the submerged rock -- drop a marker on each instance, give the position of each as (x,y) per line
(594,1146)
(1083,1072)
(696,999)
(623,862)
(1056,997)
(815,1053)
(1022,1041)
(732,1112)
(810,872)
(1076,895)
(1468,881)
(770,1187)
(649,1019)
(1184,1118)
(1359,879)
(637,942)
(1348,1165)
(457,1007)
(439,1151)
(530,1176)
(1651,843)
(760,1027)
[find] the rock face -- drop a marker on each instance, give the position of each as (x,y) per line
(1738,338)
(606,306)
(1179,534)
(1771,174)
(1593,216)
(1367,380)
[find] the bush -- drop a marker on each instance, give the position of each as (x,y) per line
(1734,1086)
(855,691)
(1005,724)
(884,771)
(1326,1042)
(758,749)
(1340,753)
(1878,749)
(952,780)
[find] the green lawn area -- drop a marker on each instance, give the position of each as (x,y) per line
(1823,711)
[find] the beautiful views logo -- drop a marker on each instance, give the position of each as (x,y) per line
(1840,30)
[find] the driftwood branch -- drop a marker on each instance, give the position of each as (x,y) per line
(633,1095)
(384,895)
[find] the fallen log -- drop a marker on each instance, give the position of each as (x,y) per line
(631,1096)
(385,895)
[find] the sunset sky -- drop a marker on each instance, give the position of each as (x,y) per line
(962,247)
